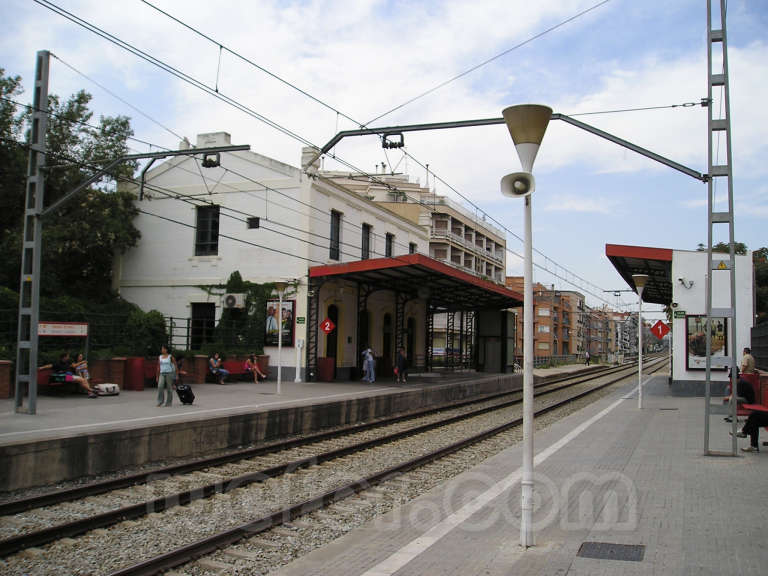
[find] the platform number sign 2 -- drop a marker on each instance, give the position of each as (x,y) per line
(327,326)
(660,329)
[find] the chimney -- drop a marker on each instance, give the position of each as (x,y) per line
(212,139)
(310,159)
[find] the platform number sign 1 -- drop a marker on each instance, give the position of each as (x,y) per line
(327,326)
(660,329)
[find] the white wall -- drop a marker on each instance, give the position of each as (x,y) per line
(692,267)
(163,273)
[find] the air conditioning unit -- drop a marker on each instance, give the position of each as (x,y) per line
(233,300)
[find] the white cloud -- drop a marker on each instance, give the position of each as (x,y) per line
(582,204)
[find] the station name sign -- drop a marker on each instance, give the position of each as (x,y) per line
(62,329)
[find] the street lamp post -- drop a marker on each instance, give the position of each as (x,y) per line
(280,287)
(527,125)
(640,281)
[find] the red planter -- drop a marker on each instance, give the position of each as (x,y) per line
(134,373)
(6,391)
(325,367)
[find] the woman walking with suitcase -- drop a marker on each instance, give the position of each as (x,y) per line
(166,374)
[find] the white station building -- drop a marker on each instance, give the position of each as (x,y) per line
(678,279)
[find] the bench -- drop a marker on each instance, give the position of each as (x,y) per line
(761,396)
(47,377)
(236,369)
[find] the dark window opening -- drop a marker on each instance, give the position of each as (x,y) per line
(412,248)
(202,325)
(366,245)
(207,231)
(335,234)
(390,246)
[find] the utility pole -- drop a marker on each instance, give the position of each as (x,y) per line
(29,285)
(34,213)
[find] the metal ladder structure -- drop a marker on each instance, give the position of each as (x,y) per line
(719,125)
(29,286)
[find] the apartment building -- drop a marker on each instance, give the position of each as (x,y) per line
(559,320)
(456,236)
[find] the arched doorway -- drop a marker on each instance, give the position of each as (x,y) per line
(332,339)
(410,330)
(386,345)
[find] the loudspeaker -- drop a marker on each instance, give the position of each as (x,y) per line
(518,184)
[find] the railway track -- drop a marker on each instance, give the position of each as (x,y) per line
(286,480)
(79,491)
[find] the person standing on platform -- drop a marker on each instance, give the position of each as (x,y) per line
(166,375)
(586,357)
(401,366)
(368,366)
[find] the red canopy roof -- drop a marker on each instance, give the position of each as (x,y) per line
(447,287)
(655,262)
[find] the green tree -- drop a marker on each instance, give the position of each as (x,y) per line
(81,238)
(738,248)
(760,263)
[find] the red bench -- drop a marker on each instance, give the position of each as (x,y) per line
(761,395)
(236,369)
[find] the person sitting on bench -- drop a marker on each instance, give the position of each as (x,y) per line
(252,367)
(756,420)
(743,388)
(64,368)
(215,366)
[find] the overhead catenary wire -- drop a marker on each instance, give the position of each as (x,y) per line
(489,60)
(73,121)
(117,97)
(185,77)
(171,194)
(339,113)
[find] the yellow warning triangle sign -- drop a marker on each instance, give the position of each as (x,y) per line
(722,265)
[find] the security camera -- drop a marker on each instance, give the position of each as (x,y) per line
(518,184)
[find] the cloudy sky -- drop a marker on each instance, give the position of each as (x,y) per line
(361,59)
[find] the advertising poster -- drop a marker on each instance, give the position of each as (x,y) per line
(696,343)
(284,316)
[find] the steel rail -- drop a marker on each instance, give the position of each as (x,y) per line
(47,535)
(103,486)
(195,550)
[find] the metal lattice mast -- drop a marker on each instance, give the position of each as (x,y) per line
(719,125)
(29,285)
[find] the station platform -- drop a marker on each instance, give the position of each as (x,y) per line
(72,435)
(618,491)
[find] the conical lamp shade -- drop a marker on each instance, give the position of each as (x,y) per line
(527,124)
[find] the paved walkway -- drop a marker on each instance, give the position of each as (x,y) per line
(63,415)
(609,474)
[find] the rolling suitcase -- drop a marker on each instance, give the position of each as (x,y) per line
(185,393)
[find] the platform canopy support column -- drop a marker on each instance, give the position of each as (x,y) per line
(450,328)
(429,340)
(313,321)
